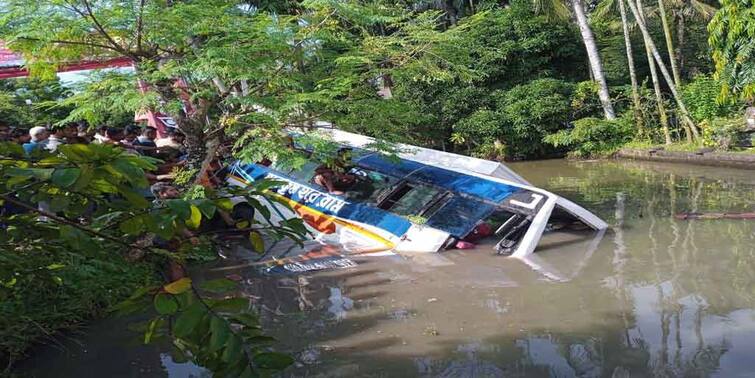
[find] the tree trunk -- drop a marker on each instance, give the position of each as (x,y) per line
(663,117)
(596,67)
(669,44)
(649,41)
(680,42)
(632,74)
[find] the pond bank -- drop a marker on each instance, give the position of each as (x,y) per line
(716,159)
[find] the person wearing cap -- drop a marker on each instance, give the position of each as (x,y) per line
(39,136)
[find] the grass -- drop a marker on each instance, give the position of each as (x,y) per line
(36,312)
(678,146)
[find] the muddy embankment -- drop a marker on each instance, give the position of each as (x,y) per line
(712,158)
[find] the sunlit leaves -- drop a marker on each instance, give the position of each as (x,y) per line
(732,37)
(195,217)
(257,243)
(179,286)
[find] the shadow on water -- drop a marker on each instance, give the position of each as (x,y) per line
(653,296)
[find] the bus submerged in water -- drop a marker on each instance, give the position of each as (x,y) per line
(423,201)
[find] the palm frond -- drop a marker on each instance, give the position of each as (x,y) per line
(605,8)
(702,10)
(552,9)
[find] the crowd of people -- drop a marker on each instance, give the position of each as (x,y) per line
(134,139)
(169,151)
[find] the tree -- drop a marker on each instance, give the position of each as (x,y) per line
(669,44)
(651,45)
(508,46)
(732,38)
(227,69)
(632,74)
(556,8)
(603,8)
(656,82)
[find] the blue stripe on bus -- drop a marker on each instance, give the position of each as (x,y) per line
(354,211)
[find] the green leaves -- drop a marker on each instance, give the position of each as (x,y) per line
(38,173)
(188,320)
(165,304)
(180,207)
(65,177)
(232,351)
(153,327)
(257,243)
(133,226)
(231,305)
(219,334)
(74,237)
(136,199)
(273,361)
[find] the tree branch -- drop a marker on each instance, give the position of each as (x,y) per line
(90,14)
(139,26)
(75,43)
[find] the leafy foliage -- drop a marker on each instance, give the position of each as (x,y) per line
(700,96)
(82,212)
(722,132)
(522,117)
(591,137)
(27,103)
(224,69)
(732,37)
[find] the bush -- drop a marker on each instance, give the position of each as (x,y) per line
(521,117)
(533,110)
(45,296)
(700,97)
(721,132)
(594,136)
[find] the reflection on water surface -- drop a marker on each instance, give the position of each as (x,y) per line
(653,296)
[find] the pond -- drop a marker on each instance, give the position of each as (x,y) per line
(653,295)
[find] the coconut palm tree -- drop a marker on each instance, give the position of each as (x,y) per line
(662,116)
(669,44)
(559,9)
(632,73)
(686,119)
(604,7)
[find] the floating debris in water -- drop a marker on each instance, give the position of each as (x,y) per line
(333,262)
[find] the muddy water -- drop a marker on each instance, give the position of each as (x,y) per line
(653,296)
